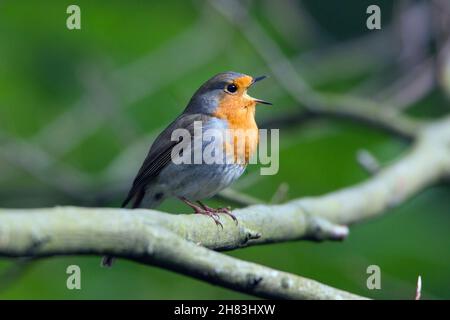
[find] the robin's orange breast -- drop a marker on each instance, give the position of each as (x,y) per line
(239,112)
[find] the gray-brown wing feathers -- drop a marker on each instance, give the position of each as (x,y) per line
(159,156)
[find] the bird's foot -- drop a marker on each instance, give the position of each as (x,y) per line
(204,210)
(226,210)
(213,216)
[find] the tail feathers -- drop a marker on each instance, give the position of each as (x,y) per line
(138,197)
(107,261)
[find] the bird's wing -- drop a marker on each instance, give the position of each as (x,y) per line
(160,155)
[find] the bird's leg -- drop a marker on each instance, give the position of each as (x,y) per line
(201,210)
(196,208)
(227,211)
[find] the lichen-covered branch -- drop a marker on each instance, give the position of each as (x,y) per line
(44,233)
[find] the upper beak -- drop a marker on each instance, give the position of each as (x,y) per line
(258,79)
(259,100)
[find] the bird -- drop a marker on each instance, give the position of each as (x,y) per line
(221,103)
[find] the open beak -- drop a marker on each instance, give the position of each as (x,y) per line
(259,100)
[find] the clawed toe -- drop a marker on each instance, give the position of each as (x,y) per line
(223,210)
(227,211)
(210,212)
(213,216)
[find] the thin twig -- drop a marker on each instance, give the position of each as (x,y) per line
(418,288)
(368,162)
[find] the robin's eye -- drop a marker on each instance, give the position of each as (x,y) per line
(231,88)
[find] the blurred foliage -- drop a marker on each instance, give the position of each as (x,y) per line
(45,69)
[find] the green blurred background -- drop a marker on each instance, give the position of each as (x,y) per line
(79,109)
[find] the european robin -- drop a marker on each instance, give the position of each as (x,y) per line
(221,103)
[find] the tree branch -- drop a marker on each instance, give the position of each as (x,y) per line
(366,111)
(425,164)
(353,109)
(66,231)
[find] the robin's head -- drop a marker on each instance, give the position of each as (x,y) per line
(226,92)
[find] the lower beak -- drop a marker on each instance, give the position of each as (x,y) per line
(262,101)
